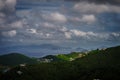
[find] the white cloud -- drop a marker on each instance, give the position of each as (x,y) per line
(78,33)
(2,4)
(33,31)
(86,7)
(88,18)
(75,19)
(45,25)
(63,29)
(2,15)
(88,35)
(8,4)
(55,16)
(8,18)
(48,25)
(43,35)
(17,24)
(68,35)
(92,33)
(48,35)
(11,33)
(116,34)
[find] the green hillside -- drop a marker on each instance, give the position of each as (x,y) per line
(95,65)
(69,57)
(15,59)
(62,57)
(109,57)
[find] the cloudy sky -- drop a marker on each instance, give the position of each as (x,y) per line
(27,24)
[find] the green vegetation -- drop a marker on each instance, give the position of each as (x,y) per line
(97,64)
(69,57)
(104,58)
(15,59)
(63,57)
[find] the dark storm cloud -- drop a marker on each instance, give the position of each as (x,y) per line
(95,1)
(46,24)
(63,23)
(99,1)
(9,21)
(109,21)
(7,13)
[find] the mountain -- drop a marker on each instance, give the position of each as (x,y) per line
(40,49)
(49,58)
(51,46)
(15,59)
(99,64)
(79,49)
(106,57)
(61,57)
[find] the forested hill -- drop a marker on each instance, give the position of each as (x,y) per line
(109,57)
(103,64)
(15,59)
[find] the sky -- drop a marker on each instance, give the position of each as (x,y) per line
(30,26)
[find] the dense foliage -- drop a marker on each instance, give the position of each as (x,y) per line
(97,64)
(15,59)
(63,57)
